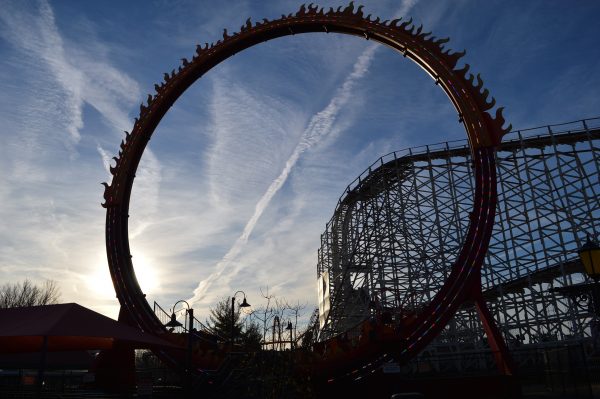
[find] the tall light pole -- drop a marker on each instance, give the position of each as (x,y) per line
(244,304)
(290,328)
(174,323)
(587,293)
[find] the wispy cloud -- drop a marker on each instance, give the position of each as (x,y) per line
(319,127)
(250,135)
(82,77)
(106,158)
(245,169)
(37,36)
(146,195)
(51,207)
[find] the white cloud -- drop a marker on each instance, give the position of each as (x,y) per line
(51,210)
(251,135)
(82,77)
(248,207)
(145,194)
(319,127)
(106,158)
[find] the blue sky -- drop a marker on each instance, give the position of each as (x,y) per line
(245,170)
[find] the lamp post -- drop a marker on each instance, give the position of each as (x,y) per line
(174,323)
(589,255)
(290,328)
(589,293)
(244,304)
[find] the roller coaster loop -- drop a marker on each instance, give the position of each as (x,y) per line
(465,91)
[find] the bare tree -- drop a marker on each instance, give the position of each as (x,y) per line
(274,318)
(264,314)
(13,295)
(295,311)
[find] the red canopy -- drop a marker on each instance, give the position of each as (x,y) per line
(67,326)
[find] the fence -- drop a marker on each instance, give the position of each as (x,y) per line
(561,371)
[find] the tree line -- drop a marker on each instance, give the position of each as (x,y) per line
(275,325)
(26,293)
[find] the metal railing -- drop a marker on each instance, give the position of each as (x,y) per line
(583,125)
(200,330)
(551,371)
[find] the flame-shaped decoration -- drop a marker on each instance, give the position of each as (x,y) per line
(302,11)
(500,119)
(394,22)
(106,195)
(403,25)
(407,26)
(349,10)
(359,12)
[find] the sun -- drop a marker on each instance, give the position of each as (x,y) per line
(146,273)
(99,281)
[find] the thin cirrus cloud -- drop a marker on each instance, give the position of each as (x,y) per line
(80,75)
(51,213)
(320,126)
(245,169)
(245,149)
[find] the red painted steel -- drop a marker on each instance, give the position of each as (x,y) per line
(464,90)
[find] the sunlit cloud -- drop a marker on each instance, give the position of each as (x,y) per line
(82,77)
(318,128)
(52,219)
(245,169)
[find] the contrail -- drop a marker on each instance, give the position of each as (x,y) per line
(319,127)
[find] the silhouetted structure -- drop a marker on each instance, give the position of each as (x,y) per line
(389,247)
(472,104)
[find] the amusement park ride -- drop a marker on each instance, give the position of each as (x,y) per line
(334,359)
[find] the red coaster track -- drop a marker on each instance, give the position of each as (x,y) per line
(464,91)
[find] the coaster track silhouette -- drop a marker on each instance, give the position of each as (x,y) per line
(465,91)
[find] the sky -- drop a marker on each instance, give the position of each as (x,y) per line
(245,170)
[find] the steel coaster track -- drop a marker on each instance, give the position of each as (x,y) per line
(465,91)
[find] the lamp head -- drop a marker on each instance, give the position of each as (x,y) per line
(289,326)
(173,322)
(244,304)
(589,254)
